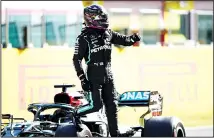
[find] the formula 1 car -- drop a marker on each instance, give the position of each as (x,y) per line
(24,128)
(65,122)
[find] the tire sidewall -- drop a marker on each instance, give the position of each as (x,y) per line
(85,131)
(179,126)
(163,127)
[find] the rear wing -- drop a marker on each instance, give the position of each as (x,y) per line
(151,99)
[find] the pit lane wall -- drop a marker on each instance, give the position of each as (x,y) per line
(183,75)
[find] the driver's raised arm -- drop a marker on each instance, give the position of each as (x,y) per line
(120,39)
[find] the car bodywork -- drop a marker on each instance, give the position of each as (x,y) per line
(45,125)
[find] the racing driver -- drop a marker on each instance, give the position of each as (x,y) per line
(94,45)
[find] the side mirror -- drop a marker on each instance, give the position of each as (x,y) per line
(6,116)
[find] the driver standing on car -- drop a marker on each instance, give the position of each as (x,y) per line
(94,45)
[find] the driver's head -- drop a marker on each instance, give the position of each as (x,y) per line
(95,16)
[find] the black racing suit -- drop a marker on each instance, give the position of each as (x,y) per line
(95,47)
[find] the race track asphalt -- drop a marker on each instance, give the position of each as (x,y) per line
(200,131)
(206,131)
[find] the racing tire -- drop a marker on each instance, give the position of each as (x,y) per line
(66,131)
(160,126)
(85,132)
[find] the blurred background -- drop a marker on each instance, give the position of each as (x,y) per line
(36,23)
(175,55)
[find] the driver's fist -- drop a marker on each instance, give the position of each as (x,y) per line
(85,84)
(136,37)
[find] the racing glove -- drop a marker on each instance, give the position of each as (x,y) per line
(135,37)
(84,82)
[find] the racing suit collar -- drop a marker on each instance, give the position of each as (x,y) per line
(95,30)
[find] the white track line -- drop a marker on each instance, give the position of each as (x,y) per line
(188,128)
(199,127)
